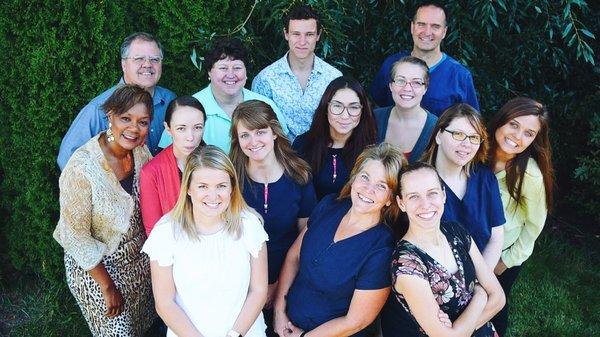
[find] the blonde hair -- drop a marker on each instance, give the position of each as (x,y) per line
(393,161)
(212,157)
(457,111)
(255,115)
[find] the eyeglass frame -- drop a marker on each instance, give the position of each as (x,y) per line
(456,134)
(142,59)
(344,107)
(421,83)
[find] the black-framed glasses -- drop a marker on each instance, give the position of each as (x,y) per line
(337,108)
(401,82)
(141,59)
(460,136)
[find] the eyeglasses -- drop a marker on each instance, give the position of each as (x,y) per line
(460,136)
(141,59)
(401,82)
(337,108)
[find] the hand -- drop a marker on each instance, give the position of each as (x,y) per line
(500,268)
(291,330)
(113,300)
(271,293)
(280,321)
(444,319)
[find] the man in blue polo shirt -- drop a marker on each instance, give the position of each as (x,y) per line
(297,81)
(450,82)
(141,61)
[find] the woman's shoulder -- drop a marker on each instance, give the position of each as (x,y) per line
(163,160)
(533,170)
(455,231)
(299,143)
(382,112)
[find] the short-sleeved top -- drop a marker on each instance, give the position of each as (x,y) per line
(449,83)
(92,119)
(382,117)
(330,272)
(279,83)
(481,208)
(452,292)
(218,124)
(287,201)
(212,274)
(334,171)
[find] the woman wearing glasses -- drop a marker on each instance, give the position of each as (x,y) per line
(522,159)
(406,124)
(342,126)
(458,149)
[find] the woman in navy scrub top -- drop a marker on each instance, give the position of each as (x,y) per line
(343,125)
(335,278)
(274,181)
(458,149)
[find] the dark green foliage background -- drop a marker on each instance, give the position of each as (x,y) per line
(57,55)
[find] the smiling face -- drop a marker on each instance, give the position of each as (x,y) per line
(428,28)
(145,74)
(342,125)
(210,192)
(457,152)
(187,128)
(256,144)
(407,96)
(422,198)
(131,127)
(370,191)
(302,37)
(228,77)
(516,135)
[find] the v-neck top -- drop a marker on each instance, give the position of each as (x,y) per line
(452,291)
(287,201)
(330,272)
(481,207)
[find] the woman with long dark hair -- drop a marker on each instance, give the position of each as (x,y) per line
(521,157)
(343,125)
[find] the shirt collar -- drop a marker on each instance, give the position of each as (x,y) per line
(283,66)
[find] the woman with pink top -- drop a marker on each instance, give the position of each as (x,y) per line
(160,179)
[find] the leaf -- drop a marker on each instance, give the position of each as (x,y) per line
(587,33)
(567,29)
(537,9)
(194,58)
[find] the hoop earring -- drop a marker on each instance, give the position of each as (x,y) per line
(110,137)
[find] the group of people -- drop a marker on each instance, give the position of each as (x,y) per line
(295,209)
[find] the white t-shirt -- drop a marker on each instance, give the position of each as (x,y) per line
(211,275)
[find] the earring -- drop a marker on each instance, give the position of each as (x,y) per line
(109,134)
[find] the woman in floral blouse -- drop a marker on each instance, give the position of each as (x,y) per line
(441,284)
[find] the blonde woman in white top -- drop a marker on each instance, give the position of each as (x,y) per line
(208,256)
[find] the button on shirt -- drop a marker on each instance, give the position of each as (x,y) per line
(278,82)
(218,123)
(92,119)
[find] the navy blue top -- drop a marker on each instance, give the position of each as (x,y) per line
(480,209)
(382,117)
(323,180)
(330,272)
(449,83)
(287,202)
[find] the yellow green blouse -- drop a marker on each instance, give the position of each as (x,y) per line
(524,223)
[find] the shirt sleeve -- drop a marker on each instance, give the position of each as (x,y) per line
(149,200)
(497,217)
(308,200)
(261,85)
(87,124)
(73,231)
(379,87)
(253,234)
(409,263)
(160,245)
(375,272)
(470,93)
(535,211)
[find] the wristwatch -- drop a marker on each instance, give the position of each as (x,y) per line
(233,333)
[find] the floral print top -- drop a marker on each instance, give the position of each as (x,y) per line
(452,291)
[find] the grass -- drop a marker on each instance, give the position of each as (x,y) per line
(557,294)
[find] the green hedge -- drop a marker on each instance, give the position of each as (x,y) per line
(57,55)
